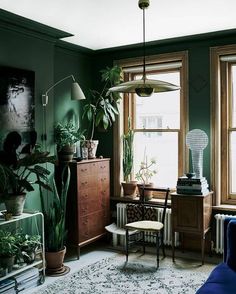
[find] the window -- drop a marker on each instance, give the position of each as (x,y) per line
(224,122)
(159,121)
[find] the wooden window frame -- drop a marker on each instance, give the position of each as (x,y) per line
(221,124)
(128,106)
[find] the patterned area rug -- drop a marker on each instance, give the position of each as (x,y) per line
(139,275)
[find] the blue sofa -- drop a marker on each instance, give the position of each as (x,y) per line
(222,279)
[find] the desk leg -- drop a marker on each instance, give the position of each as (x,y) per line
(203,247)
(173,246)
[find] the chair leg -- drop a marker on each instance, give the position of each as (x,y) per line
(143,241)
(157,247)
(162,243)
(127,244)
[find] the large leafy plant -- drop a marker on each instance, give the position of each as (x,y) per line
(17,179)
(103,106)
(8,244)
(67,134)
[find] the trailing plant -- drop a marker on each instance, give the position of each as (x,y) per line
(67,134)
(128,154)
(18,178)
(103,106)
(55,214)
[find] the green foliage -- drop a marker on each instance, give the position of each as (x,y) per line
(103,106)
(146,172)
(8,243)
(55,214)
(67,134)
(128,155)
(17,179)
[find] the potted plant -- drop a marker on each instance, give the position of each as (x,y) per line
(8,249)
(102,109)
(54,221)
(129,186)
(28,246)
(144,175)
(17,179)
(66,135)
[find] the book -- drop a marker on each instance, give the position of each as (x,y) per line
(23,276)
(193,187)
(6,283)
(9,291)
(184,179)
(192,192)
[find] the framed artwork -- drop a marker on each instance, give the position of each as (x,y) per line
(17,102)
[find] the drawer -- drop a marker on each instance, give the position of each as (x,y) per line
(83,229)
(86,182)
(103,167)
(85,169)
(87,194)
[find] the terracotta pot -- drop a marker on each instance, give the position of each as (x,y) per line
(129,188)
(66,153)
(15,204)
(54,260)
(147,194)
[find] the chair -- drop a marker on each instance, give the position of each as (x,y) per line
(142,218)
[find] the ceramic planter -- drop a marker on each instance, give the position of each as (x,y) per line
(91,146)
(15,204)
(66,153)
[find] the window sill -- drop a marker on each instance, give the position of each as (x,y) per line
(136,199)
(224,207)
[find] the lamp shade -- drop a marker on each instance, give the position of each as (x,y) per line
(143,86)
(76,92)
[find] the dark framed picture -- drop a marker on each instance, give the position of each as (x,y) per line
(17,101)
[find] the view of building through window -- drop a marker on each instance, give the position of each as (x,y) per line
(157,125)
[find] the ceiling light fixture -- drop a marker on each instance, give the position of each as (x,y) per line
(144,87)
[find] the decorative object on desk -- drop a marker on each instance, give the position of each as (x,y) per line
(66,135)
(16,179)
(129,186)
(190,175)
(192,186)
(8,249)
(197,140)
(144,175)
(54,210)
(102,108)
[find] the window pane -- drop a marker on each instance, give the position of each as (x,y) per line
(233,163)
(233,109)
(160,110)
(163,147)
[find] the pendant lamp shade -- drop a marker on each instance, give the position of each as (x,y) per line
(144,87)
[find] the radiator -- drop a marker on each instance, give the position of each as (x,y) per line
(219,244)
(122,220)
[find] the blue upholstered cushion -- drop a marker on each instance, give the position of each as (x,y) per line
(231,245)
(222,280)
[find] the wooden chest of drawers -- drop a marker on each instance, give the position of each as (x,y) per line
(88,202)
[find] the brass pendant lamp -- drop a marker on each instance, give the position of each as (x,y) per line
(144,87)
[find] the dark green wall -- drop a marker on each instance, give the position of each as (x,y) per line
(34,47)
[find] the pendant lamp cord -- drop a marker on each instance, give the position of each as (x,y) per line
(144,47)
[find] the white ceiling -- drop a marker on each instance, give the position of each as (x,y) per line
(98,24)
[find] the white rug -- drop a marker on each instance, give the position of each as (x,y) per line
(139,276)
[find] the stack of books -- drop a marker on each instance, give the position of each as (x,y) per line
(192,186)
(27,279)
(7,286)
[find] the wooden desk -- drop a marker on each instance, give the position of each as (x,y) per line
(191,214)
